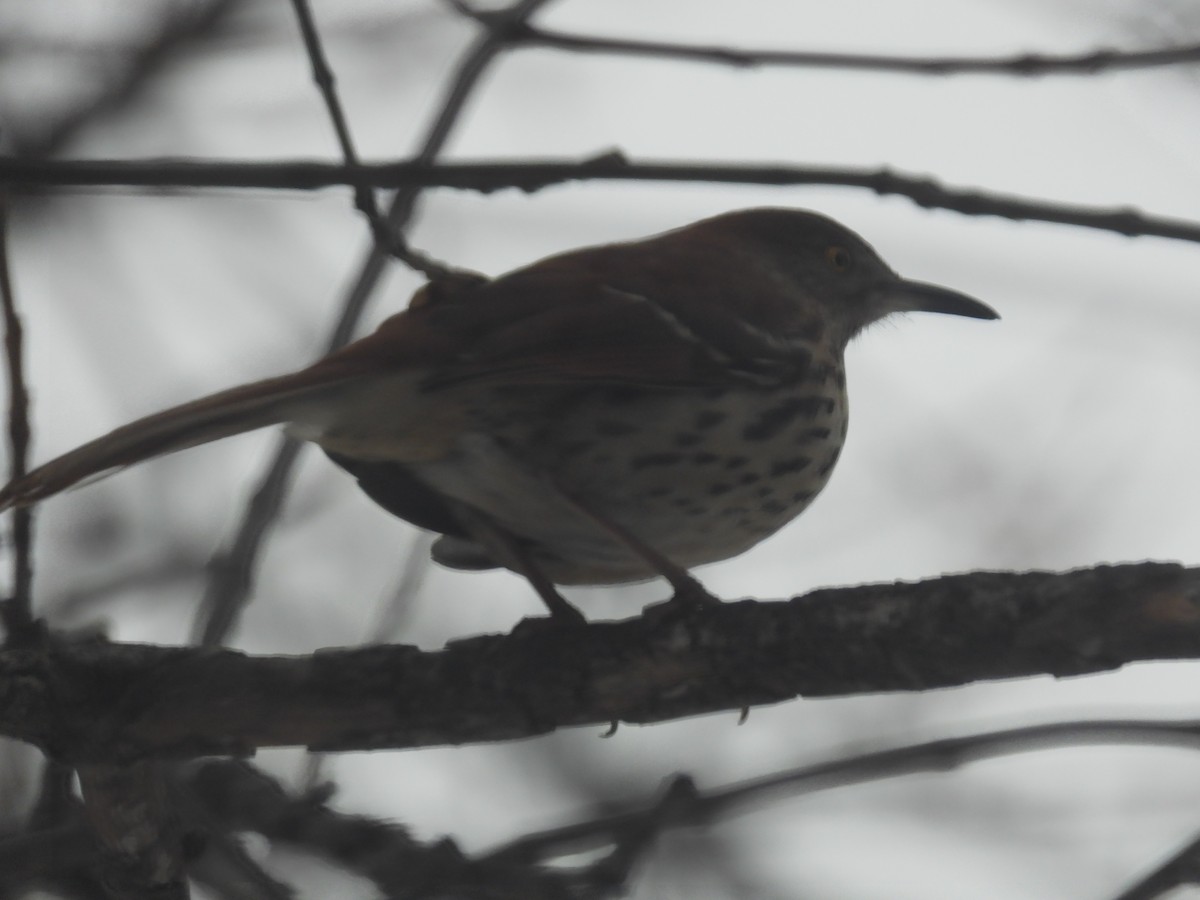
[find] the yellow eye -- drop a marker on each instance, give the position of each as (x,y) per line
(839,258)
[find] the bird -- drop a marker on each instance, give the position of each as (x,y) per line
(602,416)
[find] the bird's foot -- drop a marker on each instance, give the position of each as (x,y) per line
(563,613)
(690,593)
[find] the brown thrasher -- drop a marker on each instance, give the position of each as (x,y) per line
(598,417)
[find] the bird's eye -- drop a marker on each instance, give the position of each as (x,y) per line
(839,258)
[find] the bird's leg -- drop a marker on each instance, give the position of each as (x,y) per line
(688,591)
(522,562)
(560,610)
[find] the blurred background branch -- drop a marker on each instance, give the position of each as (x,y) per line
(532,176)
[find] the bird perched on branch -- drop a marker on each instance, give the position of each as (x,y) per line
(602,416)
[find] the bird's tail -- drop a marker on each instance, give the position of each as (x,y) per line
(210,418)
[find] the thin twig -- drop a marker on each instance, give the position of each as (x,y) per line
(227,595)
(16,611)
(170,567)
(124,79)
(225,866)
(231,570)
(244,798)
(240,797)
(398,607)
(1182,868)
(232,797)
(1090,62)
(940,756)
(535,175)
(636,842)
(389,239)
(326,84)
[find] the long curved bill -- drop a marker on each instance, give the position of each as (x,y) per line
(919,296)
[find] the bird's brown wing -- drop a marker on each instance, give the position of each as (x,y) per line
(669,312)
(607,315)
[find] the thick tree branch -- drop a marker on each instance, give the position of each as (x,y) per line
(100,702)
(536,175)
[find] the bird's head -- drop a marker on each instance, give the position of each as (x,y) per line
(832,267)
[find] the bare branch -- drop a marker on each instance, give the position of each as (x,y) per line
(389,239)
(240,797)
(228,797)
(631,843)
(233,796)
(1090,62)
(225,866)
(231,569)
(16,611)
(187,24)
(131,815)
(1183,868)
(535,175)
(229,588)
(689,806)
(102,702)
(396,611)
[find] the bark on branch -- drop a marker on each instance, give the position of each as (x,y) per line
(101,703)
